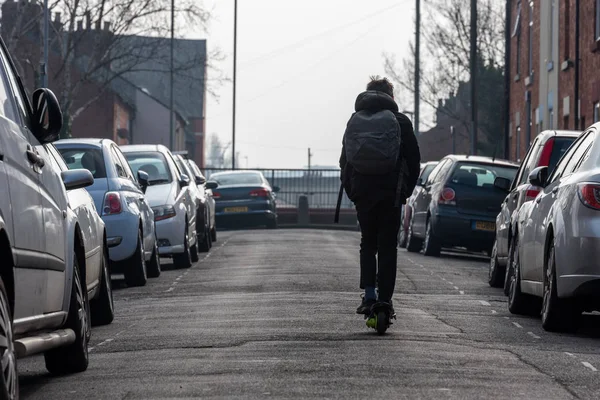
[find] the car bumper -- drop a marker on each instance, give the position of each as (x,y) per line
(459,230)
(170,235)
(121,235)
(578,267)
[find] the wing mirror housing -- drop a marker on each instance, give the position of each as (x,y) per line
(276,189)
(539,176)
(502,184)
(47,116)
(200,180)
(184,180)
(77,178)
(143,179)
(212,185)
(420,182)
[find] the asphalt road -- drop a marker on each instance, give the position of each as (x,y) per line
(271,314)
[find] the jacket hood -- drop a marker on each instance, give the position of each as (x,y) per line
(373,100)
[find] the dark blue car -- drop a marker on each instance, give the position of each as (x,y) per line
(244,198)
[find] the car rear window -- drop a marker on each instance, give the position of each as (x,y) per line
(238,178)
(152,163)
(89,158)
(426,171)
(481,175)
(561,145)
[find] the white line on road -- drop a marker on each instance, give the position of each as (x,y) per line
(506,318)
(179,277)
(169,289)
(494,312)
(461,291)
(485,303)
(517,325)
(588,365)
(533,335)
(569,354)
(450,283)
(455,287)
(175,283)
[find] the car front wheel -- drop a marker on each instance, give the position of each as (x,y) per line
(103,311)
(10,381)
(496,272)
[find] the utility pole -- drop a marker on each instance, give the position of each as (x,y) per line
(417,65)
(234,82)
(577,66)
(44,66)
(171,100)
(473,68)
(507,80)
(309,157)
(453,139)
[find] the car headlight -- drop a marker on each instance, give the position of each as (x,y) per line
(163,212)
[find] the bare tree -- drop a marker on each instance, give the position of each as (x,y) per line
(445,55)
(97,42)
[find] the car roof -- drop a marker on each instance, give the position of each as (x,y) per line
(564,133)
(129,148)
(89,142)
(237,171)
(482,159)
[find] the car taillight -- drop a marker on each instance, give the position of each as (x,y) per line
(260,193)
(216,195)
(531,192)
(544,160)
(112,204)
(589,194)
(448,197)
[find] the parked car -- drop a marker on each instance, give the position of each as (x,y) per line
(175,208)
(458,205)
(121,199)
(244,198)
(203,216)
(547,148)
(208,193)
(44,307)
(426,169)
(554,251)
(93,237)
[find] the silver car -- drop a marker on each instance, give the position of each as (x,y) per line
(208,193)
(555,253)
(120,197)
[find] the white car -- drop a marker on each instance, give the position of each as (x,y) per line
(93,236)
(175,208)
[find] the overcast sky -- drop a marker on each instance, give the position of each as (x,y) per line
(300,67)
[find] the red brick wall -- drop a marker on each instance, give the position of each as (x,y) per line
(589,80)
(566,51)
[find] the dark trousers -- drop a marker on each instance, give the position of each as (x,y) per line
(379,225)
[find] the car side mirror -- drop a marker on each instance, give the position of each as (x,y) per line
(539,176)
(77,178)
(502,184)
(184,180)
(143,179)
(276,189)
(200,180)
(420,182)
(47,116)
(212,185)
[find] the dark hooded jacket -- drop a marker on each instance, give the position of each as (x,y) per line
(366,191)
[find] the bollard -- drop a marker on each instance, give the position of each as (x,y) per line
(303,218)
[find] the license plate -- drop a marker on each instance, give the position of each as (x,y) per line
(236,209)
(485,226)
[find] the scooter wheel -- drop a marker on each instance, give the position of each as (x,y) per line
(382,322)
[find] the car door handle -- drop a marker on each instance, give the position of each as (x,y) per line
(142,200)
(34,157)
(555,190)
(538,199)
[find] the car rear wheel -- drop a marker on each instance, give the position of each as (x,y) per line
(9,388)
(558,315)
(205,245)
(413,244)
(183,260)
(432,245)
(496,271)
(518,302)
(74,357)
(135,267)
(154,268)
(213,234)
(272,223)
(103,311)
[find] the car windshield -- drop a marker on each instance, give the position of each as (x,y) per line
(560,147)
(481,175)
(237,178)
(90,158)
(426,171)
(152,163)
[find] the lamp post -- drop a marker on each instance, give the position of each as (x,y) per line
(453,139)
(44,64)
(171,124)
(234,82)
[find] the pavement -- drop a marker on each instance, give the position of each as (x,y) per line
(271,314)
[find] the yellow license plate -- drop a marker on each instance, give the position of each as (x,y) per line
(236,209)
(485,226)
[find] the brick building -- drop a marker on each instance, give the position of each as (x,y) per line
(542,69)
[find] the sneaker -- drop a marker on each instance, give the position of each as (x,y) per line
(365,306)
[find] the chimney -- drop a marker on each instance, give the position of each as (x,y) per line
(107,26)
(80,25)
(98,25)
(88,20)
(57,18)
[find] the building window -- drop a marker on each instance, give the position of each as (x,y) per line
(530,44)
(517,32)
(597,20)
(596,112)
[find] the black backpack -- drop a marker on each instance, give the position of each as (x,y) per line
(372,142)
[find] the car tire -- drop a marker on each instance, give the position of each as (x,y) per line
(431,245)
(272,223)
(558,315)
(213,234)
(204,246)
(153,266)
(520,303)
(508,270)
(183,260)
(74,357)
(413,244)
(135,268)
(102,308)
(496,271)
(9,388)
